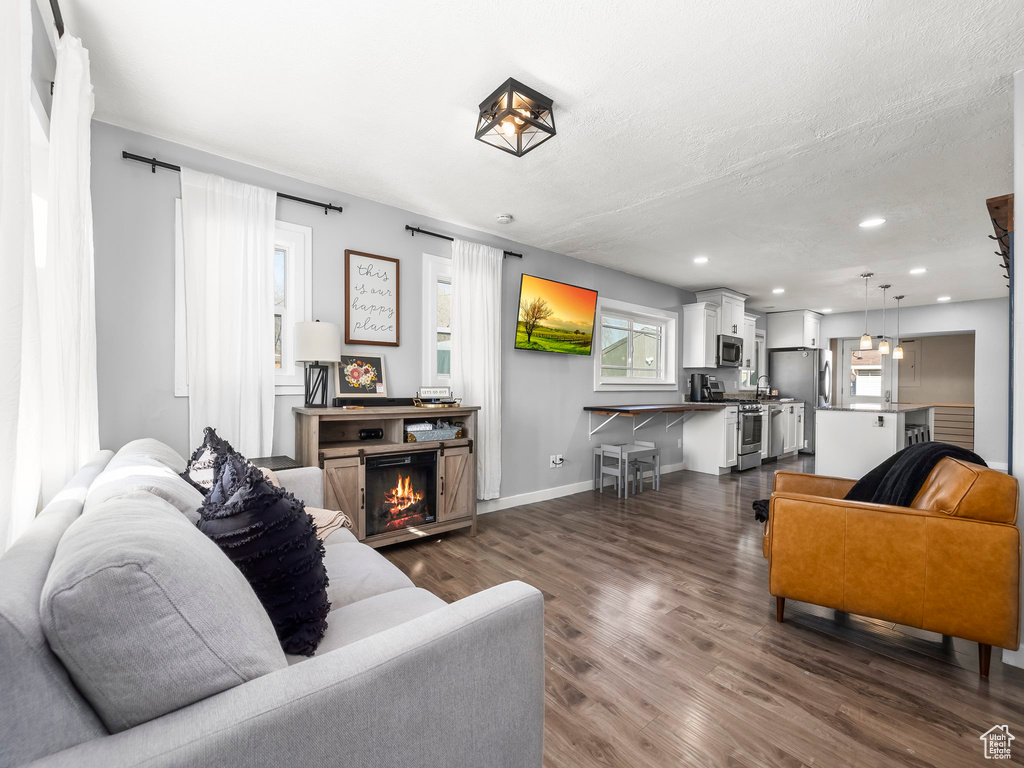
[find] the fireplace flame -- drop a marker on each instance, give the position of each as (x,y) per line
(402,496)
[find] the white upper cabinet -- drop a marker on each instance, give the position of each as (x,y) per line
(796,328)
(749,333)
(812,330)
(700,331)
(731,309)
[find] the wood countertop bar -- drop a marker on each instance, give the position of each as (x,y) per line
(633,410)
(646,412)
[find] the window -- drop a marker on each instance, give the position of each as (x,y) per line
(637,347)
(292,303)
(437,320)
(749,376)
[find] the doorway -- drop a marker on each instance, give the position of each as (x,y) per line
(865,376)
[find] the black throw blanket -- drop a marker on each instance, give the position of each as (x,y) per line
(898,479)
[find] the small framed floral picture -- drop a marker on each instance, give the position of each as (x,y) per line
(360,376)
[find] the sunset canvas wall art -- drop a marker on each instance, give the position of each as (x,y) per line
(555,317)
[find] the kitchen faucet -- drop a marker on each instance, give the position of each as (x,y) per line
(757,386)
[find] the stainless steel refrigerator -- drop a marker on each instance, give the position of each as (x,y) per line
(805,374)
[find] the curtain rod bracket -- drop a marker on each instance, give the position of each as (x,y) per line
(413,230)
(153,163)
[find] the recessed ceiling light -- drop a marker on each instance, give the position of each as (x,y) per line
(826,311)
(944,298)
(700,260)
(918,271)
(778,290)
(872,222)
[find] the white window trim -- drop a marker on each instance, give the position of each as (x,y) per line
(434,268)
(762,362)
(297,240)
(669,382)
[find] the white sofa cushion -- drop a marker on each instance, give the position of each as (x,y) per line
(357,572)
(148,615)
(154,449)
(367,617)
(131,473)
(341,536)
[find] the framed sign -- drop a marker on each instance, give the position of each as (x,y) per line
(360,376)
(371,299)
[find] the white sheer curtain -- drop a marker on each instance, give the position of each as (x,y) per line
(49,423)
(17,260)
(67,305)
(228,232)
(476,351)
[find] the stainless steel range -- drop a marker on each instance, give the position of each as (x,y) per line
(748,424)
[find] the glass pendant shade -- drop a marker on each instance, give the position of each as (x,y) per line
(883,347)
(865,342)
(515,118)
(897,354)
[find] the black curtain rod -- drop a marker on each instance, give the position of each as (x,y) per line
(413,231)
(153,163)
(58,17)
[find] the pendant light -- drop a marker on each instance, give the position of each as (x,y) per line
(865,340)
(883,345)
(897,354)
(515,118)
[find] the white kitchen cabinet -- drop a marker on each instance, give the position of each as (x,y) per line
(799,439)
(710,440)
(812,330)
(795,328)
(731,309)
(749,348)
(700,329)
(765,441)
(790,443)
(732,437)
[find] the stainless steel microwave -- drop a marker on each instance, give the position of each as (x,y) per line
(730,352)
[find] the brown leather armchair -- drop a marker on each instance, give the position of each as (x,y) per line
(949,563)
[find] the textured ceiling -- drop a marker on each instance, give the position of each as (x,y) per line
(756,133)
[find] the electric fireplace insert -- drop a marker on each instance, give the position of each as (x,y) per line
(401,491)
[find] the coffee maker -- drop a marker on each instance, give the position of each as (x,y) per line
(699,387)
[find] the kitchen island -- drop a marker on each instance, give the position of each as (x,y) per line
(852,440)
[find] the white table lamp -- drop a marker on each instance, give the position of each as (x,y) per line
(316,341)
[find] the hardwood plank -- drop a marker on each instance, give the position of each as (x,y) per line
(662,647)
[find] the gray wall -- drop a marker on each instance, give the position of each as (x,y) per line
(989,319)
(44,63)
(133,209)
(1017,657)
(945,369)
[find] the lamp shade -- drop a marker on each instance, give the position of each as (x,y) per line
(317,341)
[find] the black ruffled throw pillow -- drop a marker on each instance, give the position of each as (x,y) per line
(201,470)
(266,532)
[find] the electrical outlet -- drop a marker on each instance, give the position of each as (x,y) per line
(680,445)
(554,461)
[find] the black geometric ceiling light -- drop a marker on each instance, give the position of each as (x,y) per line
(516,118)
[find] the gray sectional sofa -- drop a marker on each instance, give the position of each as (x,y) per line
(127,638)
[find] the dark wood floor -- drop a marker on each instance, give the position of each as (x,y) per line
(663,649)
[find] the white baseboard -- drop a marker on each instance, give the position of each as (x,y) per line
(1014,658)
(546,494)
(1002,466)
